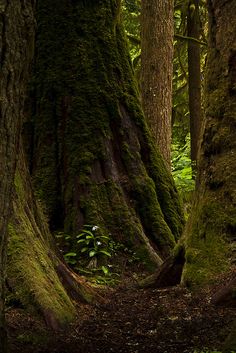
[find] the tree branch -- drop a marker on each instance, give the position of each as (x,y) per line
(179,36)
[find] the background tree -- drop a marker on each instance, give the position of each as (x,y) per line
(186,90)
(94,161)
(157,30)
(16,28)
(181,141)
(194,77)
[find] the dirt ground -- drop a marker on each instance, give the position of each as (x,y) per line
(169,320)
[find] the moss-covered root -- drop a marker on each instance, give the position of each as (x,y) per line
(169,273)
(33,263)
(76,285)
(32,275)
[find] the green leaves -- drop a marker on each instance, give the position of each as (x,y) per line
(105,253)
(86,250)
(70,258)
(182,168)
(105,270)
(92,243)
(92,253)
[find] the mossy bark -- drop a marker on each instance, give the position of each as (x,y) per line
(211,231)
(94,160)
(16,39)
(36,274)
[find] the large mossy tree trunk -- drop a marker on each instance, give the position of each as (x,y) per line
(35,272)
(94,161)
(16,38)
(211,230)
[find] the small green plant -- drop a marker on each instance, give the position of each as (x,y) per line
(92,244)
(87,253)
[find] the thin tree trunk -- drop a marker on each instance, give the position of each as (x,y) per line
(16,43)
(156,70)
(194,78)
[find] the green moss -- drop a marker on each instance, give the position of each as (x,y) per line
(101,166)
(143,255)
(148,208)
(207,248)
(19,185)
(33,275)
(31,271)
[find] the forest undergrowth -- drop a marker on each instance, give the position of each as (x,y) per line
(131,320)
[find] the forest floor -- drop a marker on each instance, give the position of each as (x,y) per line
(171,320)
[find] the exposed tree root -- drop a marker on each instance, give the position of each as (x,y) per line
(168,274)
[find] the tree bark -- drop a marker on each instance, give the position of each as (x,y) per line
(36,272)
(94,161)
(16,43)
(169,273)
(211,230)
(194,78)
(157,31)
(226,296)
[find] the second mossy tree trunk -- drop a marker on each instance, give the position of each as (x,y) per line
(211,228)
(94,161)
(157,31)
